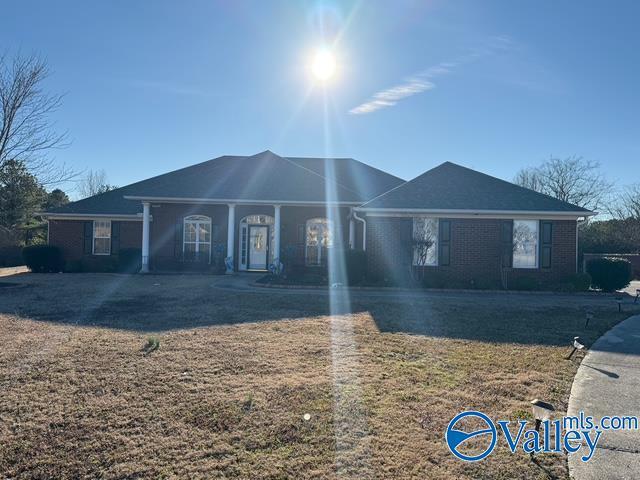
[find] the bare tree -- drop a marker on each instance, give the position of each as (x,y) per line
(94,183)
(573,179)
(628,205)
(26,131)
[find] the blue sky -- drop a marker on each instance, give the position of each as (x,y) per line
(496,86)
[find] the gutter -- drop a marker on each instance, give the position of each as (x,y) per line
(364,229)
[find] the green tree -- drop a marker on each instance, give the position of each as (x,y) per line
(20,196)
(55,198)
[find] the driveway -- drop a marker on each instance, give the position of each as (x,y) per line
(608,383)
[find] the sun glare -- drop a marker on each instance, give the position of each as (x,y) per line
(324,65)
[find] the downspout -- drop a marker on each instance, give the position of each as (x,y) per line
(364,229)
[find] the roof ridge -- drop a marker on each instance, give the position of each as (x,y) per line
(314,173)
(405,183)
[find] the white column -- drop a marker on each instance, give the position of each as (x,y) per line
(276,236)
(145,237)
(231,230)
(352,232)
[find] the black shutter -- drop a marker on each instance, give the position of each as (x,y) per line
(88,238)
(301,234)
(215,233)
(444,242)
(506,237)
(177,246)
(115,238)
(546,236)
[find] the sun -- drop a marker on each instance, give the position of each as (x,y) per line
(324,65)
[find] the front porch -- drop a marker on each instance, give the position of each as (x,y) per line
(227,238)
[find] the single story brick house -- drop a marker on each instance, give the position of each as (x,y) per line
(238,213)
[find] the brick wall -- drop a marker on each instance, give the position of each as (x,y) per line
(69,236)
(475,252)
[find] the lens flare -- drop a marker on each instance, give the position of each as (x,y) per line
(324,65)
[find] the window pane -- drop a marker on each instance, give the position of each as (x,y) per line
(189,232)
(425,241)
(205,232)
(101,246)
(525,243)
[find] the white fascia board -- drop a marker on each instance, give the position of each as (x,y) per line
(87,216)
(497,214)
(235,201)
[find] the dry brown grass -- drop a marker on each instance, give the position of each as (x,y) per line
(225,393)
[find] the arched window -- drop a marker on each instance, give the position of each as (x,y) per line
(319,237)
(197,238)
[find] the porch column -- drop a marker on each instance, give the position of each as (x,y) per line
(231,230)
(145,237)
(352,232)
(276,236)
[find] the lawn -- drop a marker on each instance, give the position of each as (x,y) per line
(226,392)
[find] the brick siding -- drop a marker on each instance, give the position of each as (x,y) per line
(475,257)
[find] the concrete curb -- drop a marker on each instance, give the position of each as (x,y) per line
(606,383)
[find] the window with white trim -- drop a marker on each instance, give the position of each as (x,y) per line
(319,237)
(197,238)
(102,237)
(525,244)
(425,241)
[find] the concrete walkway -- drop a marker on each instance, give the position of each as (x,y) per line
(608,383)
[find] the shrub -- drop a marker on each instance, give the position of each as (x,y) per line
(43,258)
(11,256)
(356,266)
(484,283)
(580,282)
(129,260)
(610,273)
(524,283)
(99,263)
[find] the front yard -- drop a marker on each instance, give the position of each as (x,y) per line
(226,392)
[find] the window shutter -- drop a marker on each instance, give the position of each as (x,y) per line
(215,233)
(506,234)
(301,234)
(115,238)
(88,238)
(546,237)
(177,248)
(444,242)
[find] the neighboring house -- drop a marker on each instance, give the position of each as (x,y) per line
(253,212)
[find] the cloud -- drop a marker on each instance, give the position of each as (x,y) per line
(423,81)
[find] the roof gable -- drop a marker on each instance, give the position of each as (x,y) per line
(453,187)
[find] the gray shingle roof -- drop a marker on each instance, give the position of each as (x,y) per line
(262,177)
(453,187)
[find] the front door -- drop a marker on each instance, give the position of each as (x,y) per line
(258,247)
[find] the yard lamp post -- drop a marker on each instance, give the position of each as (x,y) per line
(619,300)
(541,411)
(588,319)
(635,300)
(576,346)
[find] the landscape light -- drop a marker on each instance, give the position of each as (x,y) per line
(635,300)
(589,318)
(619,300)
(541,411)
(576,346)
